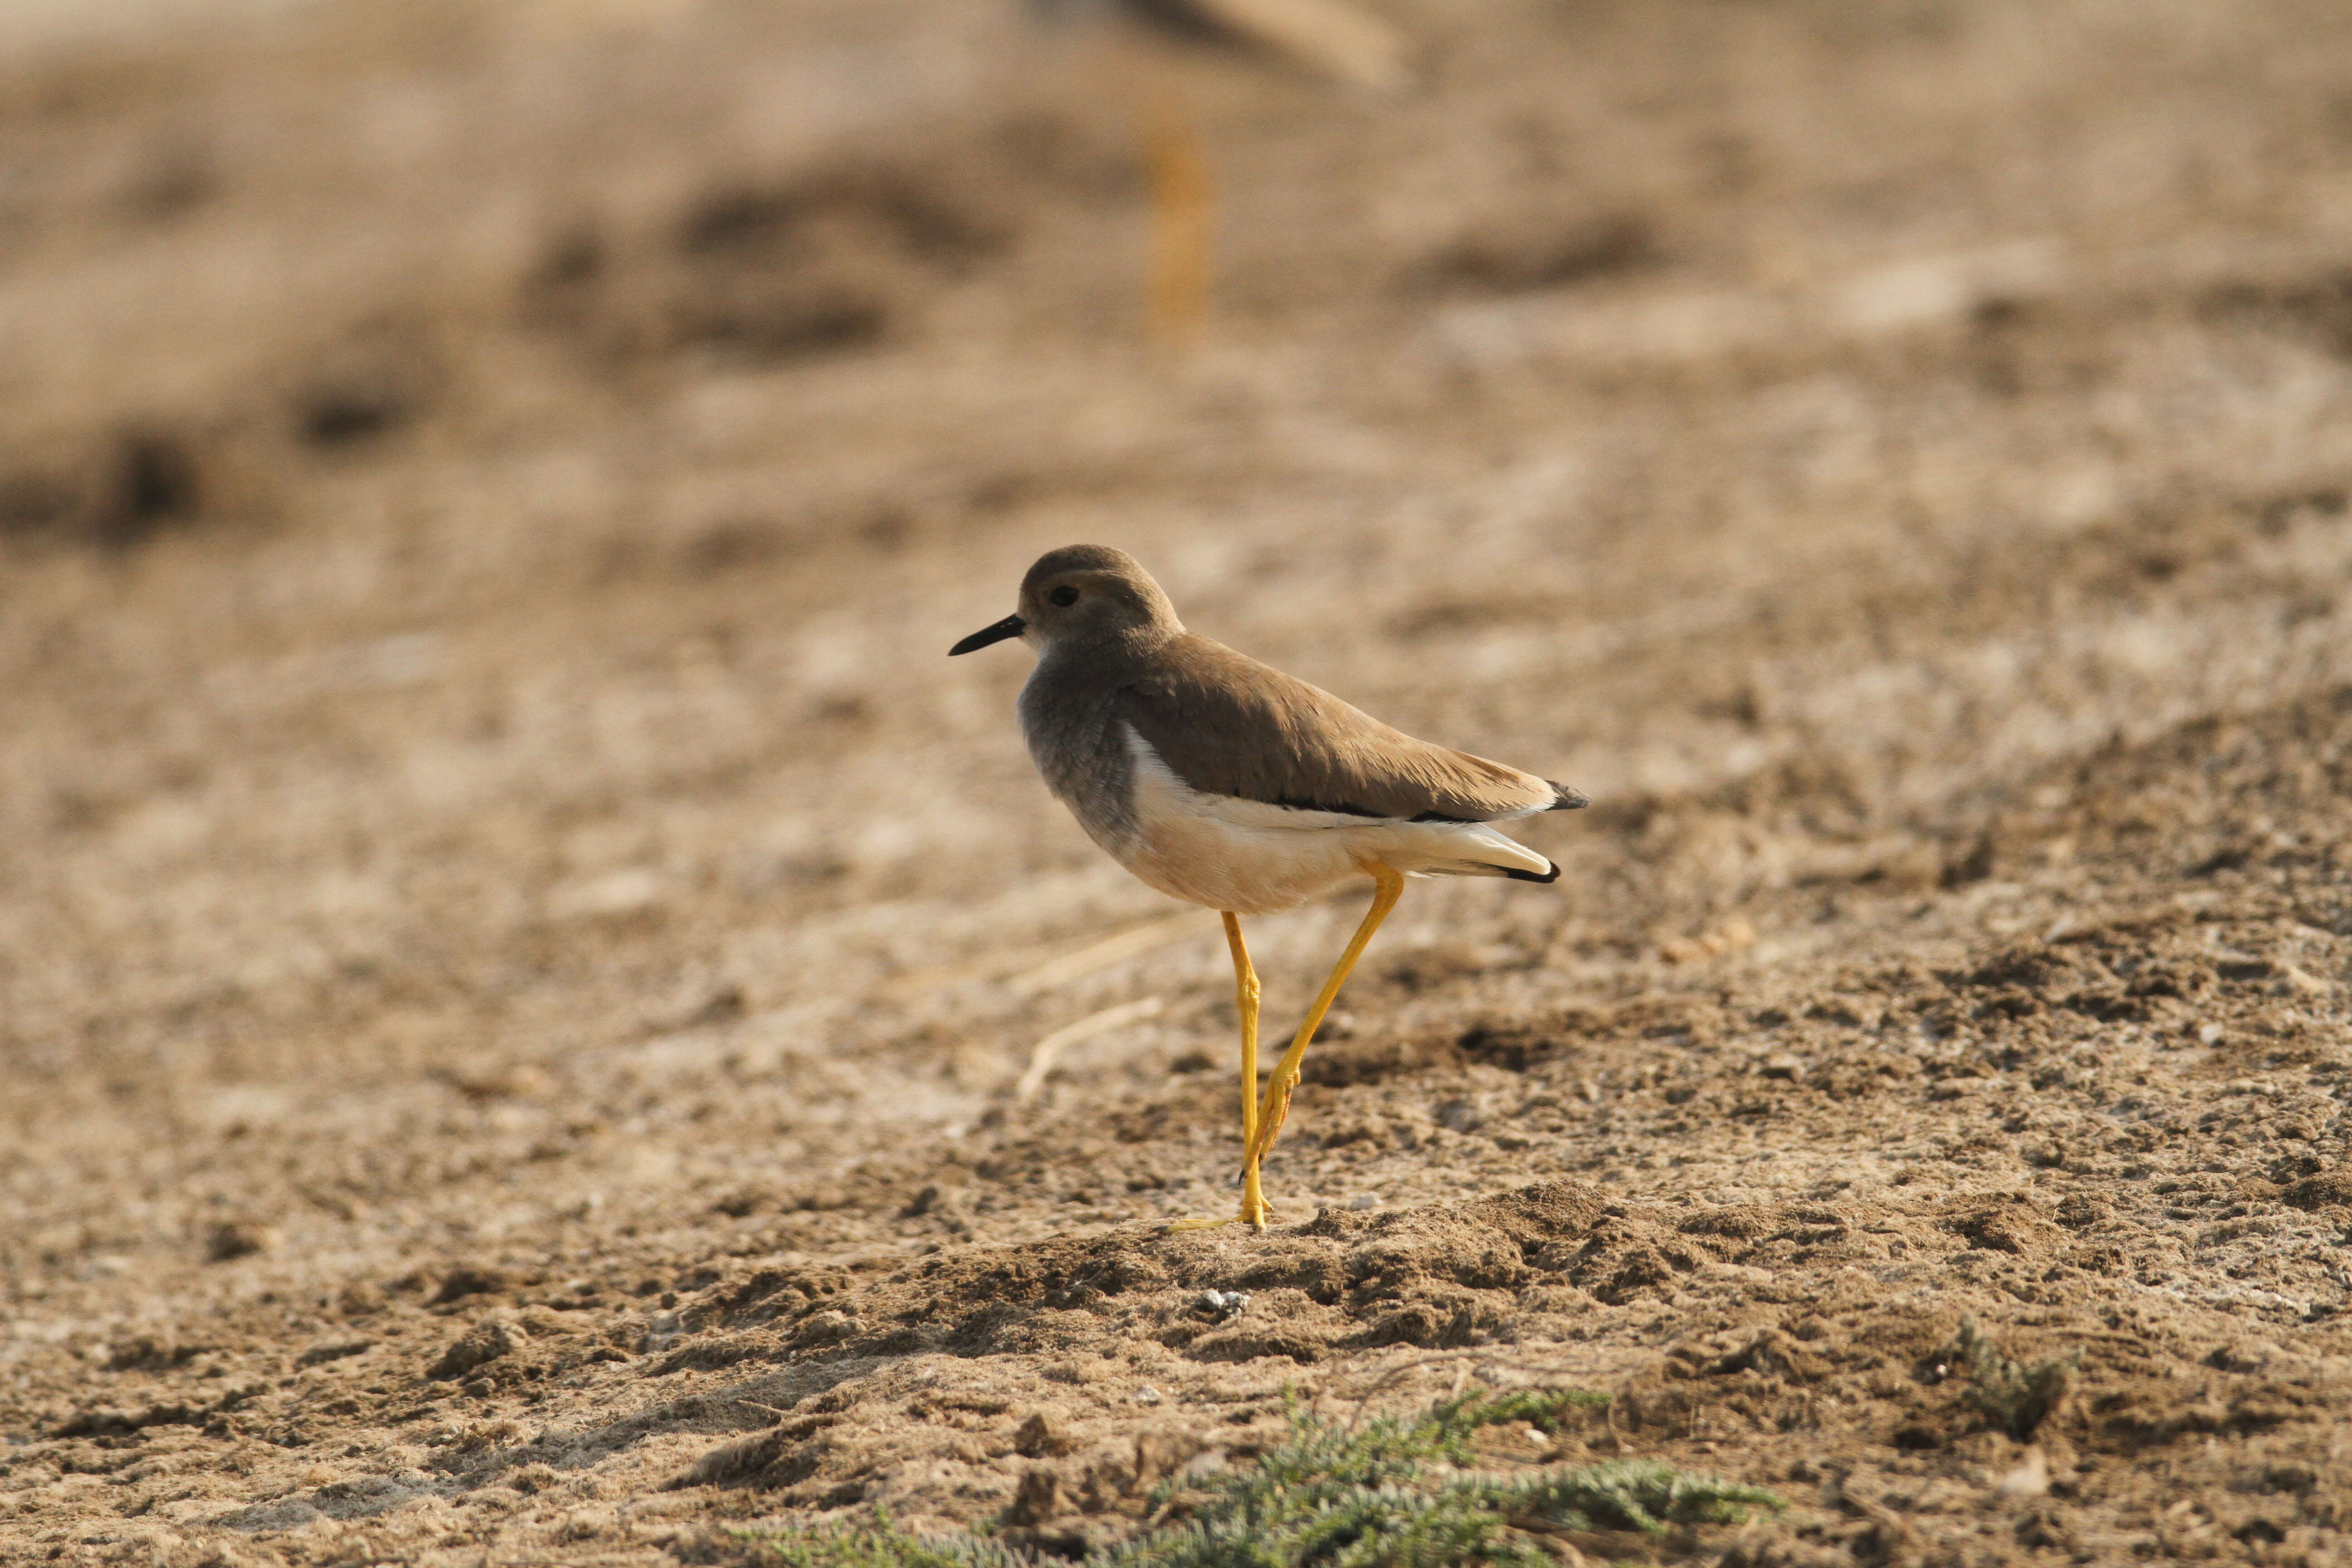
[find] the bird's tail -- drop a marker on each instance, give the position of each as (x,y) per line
(1480,851)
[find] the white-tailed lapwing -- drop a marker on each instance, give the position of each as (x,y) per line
(1227,783)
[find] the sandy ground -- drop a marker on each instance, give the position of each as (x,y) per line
(519,957)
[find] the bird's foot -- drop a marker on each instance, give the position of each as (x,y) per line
(1257,1216)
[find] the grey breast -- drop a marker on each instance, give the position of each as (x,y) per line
(1069,716)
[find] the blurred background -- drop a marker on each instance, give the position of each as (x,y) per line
(486,491)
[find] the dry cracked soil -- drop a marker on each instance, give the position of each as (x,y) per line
(522,968)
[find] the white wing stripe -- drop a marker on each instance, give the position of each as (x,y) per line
(1233,809)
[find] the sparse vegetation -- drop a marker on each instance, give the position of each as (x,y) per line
(1389,1491)
(2015,1399)
(881,1544)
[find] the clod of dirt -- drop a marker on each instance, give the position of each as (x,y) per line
(1524,257)
(872,204)
(1460,1115)
(1425,968)
(233,1239)
(36,501)
(783,1455)
(155,484)
(499,1083)
(1038,1499)
(147,1354)
(470,1280)
(478,1346)
(177,181)
(114,493)
(1353,1062)
(1042,1435)
(759,274)
(2328,1190)
(375,379)
(773,322)
(2016,1227)
(344,412)
(2318,307)
(1161,1453)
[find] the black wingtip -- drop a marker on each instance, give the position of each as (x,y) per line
(1567,799)
(1515,875)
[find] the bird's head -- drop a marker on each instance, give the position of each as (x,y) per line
(1081,595)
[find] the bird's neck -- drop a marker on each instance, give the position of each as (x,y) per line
(1117,657)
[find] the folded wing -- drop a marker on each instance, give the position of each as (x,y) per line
(1227,725)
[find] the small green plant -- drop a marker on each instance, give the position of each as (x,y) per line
(1545,1409)
(1395,1492)
(880,1544)
(2016,1399)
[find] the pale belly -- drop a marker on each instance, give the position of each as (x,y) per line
(1249,872)
(1254,858)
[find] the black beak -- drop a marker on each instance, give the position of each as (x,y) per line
(1009,627)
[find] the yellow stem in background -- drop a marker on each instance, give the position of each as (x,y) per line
(1183,240)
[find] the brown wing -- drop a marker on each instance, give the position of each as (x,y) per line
(1226,724)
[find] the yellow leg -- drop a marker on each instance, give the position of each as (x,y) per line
(1245,1000)
(1182,241)
(1388,886)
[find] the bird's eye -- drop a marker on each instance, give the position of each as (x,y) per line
(1062,598)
